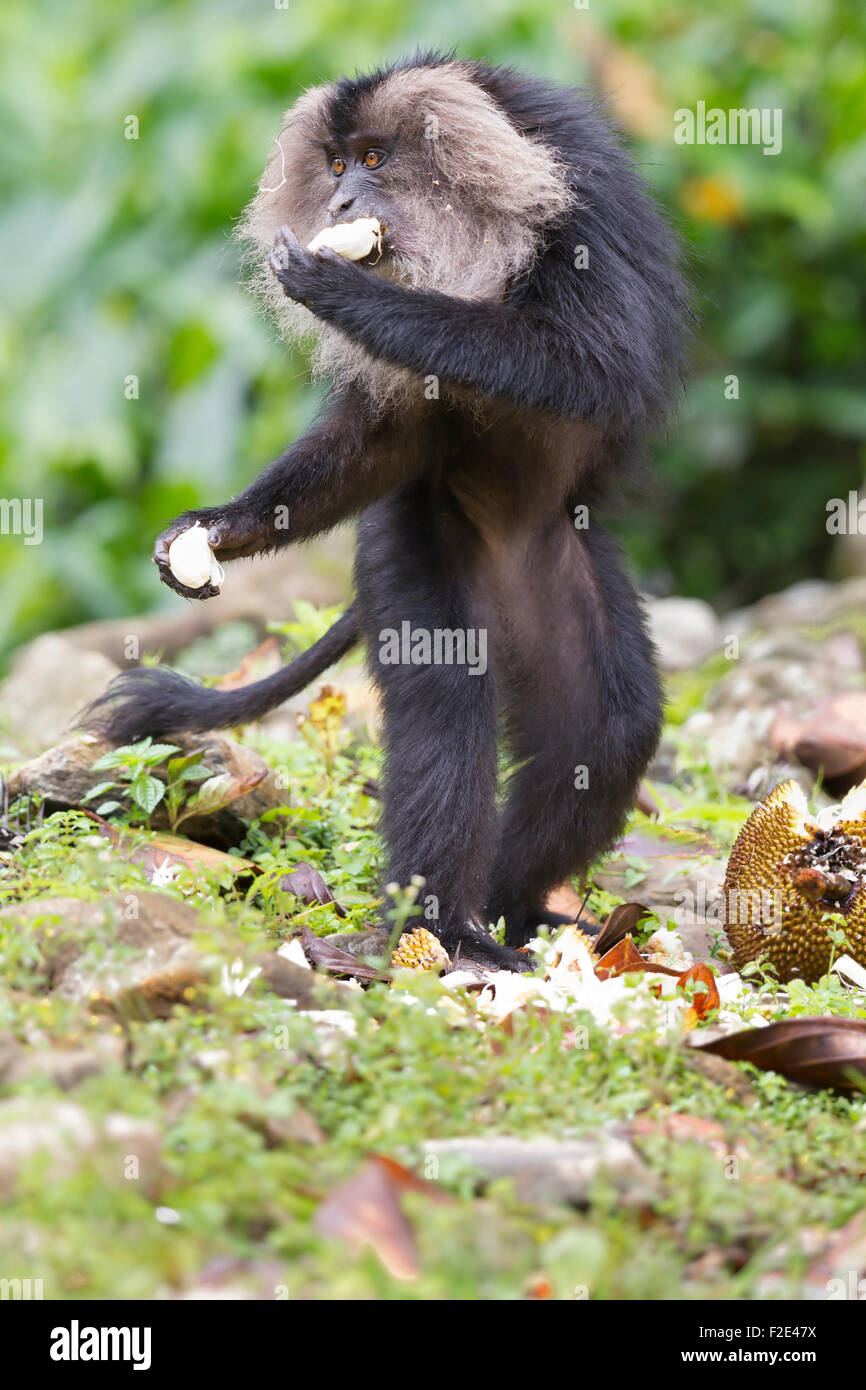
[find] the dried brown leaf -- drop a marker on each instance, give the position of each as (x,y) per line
(307,883)
(161,851)
(265,660)
(333,959)
(817,1051)
(366,1210)
(625,958)
(621,922)
(703,1000)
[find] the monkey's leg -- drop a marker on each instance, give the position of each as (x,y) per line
(583,715)
(438,816)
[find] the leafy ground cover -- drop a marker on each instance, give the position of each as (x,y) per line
(255,1117)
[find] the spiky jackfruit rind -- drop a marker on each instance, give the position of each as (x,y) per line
(765,917)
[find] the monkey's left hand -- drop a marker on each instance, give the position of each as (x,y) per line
(303,273)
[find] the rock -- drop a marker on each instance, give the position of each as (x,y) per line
(663,767)
(780,645)
(733,730)
(64,1066)
(677,873)
(844,650)
(61,774)
(309,989)
(50,681)
(685,630)
(811,603)
(830,740)
(371,942)
(729,1075)
(736,746)
(223,755)
(58,673)
(148,963)
(662,868)
(64,775)
(233,1280)
(551,1170)
(134,956)
(297,1128)
(831,1264)
(63,1136)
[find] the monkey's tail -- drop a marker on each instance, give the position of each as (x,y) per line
(152,700)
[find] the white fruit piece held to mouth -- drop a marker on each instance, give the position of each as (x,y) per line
(191,560)
(351,240)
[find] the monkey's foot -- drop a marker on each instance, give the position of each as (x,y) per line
(473,943)
(545,918)
(522,924)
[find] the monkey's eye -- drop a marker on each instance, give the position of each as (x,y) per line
(338,165)
(373,158)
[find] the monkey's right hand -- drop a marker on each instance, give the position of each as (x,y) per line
(231,535)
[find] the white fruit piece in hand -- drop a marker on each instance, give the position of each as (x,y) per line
(191,560)
(351,240)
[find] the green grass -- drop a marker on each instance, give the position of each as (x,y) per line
(215,1079)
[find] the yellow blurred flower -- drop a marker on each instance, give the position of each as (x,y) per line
(712,199)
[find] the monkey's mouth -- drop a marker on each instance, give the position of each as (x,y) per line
(386,240)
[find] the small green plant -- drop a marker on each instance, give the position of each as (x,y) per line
(134,764)
(181,772)
(310,623)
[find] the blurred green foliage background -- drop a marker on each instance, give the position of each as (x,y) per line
(116,258)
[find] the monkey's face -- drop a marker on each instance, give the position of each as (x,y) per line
(463,196)
(362,188)
(374,167)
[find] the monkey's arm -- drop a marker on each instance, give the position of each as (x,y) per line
(522,352)
(344,462)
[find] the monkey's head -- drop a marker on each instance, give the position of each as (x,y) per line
(465,198)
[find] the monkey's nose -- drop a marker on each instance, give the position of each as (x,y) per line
(340,204)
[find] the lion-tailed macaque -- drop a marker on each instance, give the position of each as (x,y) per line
(495,358)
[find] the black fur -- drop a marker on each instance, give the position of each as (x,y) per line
(154,701)
(467,521)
